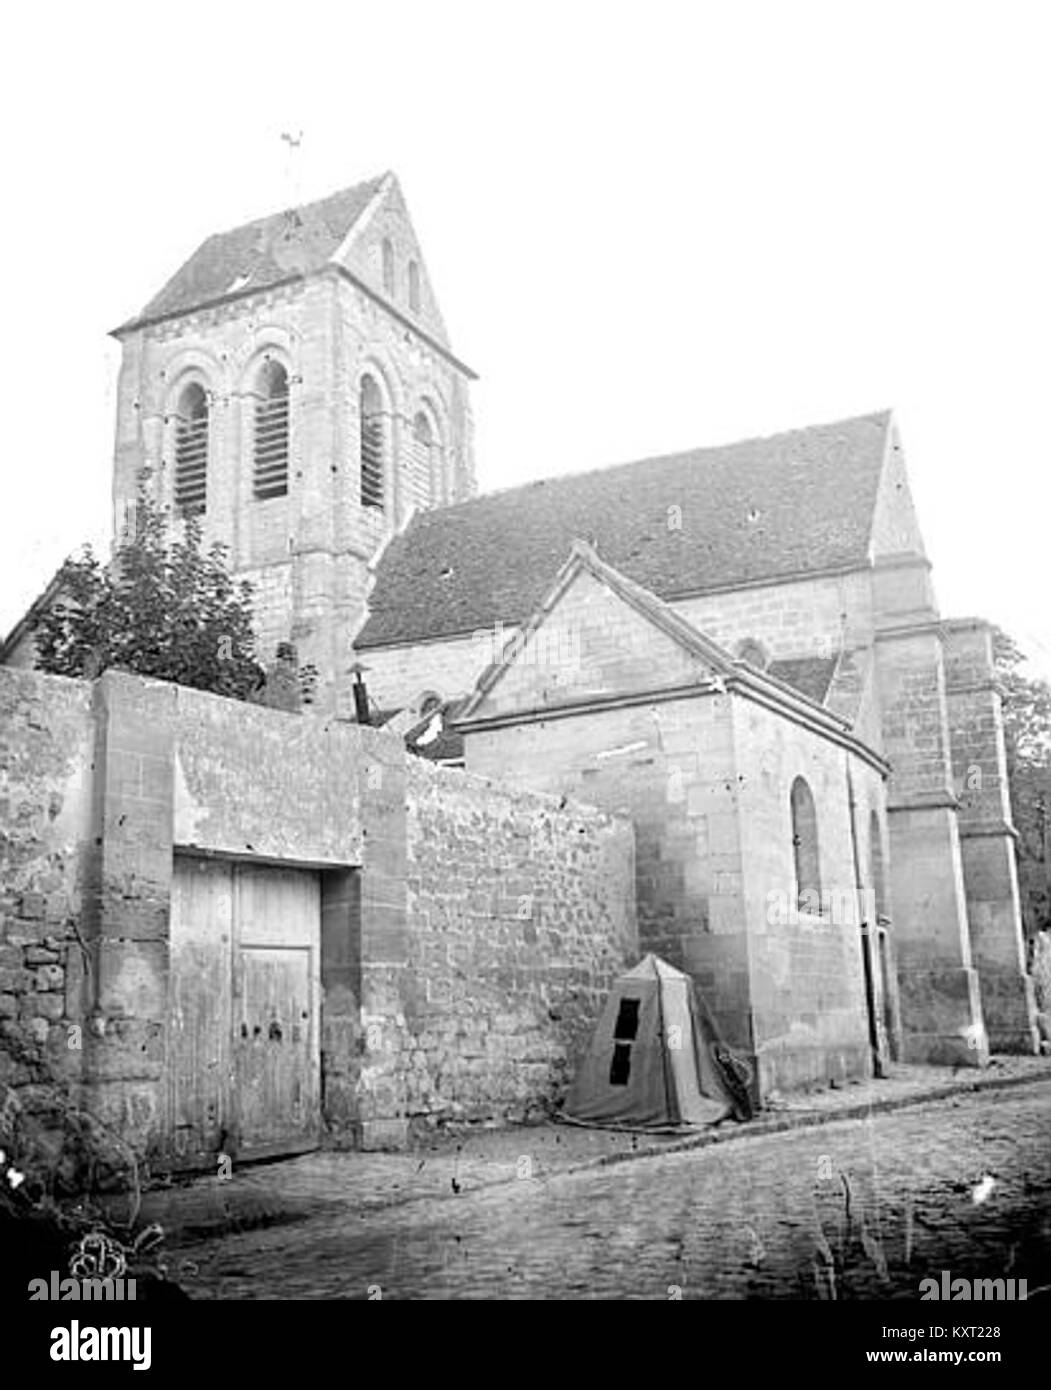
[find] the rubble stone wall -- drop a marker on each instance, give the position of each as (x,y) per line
(521,914)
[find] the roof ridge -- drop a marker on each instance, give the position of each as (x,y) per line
(879,416)
(264,250)
(299,207)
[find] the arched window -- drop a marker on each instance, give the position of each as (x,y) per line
(388,266)
(270,477)
(414,287)
(876,869)
(373,444)
(191,450)
(804,847)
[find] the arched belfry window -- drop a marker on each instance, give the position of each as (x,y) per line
(414,287)
(805,847)
(388,266)
(191,450)
(270,474)
(421,479)
(373,444)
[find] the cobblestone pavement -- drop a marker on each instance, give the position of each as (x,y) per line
(858,1208)
(294,1189)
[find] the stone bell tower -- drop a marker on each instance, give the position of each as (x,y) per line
(293,386)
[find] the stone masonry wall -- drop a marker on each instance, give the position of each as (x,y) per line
(438,999)
(979,764)
(46,751)
(808,617)
(670,768)
(306,552)
(521,914)
(940,995)
(805,617)
(806,970)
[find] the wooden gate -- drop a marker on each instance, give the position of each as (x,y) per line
(243,1055)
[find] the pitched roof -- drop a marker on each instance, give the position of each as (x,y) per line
(763,509)
(262,253)
(23,628)
(719,663)
(720,670)
(434,738)
(810,675)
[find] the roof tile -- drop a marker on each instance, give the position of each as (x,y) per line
(756,511)
(262,253)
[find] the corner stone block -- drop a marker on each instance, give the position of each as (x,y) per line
(133,978)
(943,1015)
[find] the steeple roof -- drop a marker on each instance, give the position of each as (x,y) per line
(264,252)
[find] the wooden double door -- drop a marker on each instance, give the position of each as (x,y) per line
(243,1041)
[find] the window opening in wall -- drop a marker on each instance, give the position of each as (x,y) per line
(372,445)
(271,432)
(421,483)
(805,847)
(414,287)
(388,267)
(191,450)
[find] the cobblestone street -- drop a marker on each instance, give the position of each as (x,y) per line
(859,1208)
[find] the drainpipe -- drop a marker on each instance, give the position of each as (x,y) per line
(866,929)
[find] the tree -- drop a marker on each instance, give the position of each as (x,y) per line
(163,607)
(1027,738)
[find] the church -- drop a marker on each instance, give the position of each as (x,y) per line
(739,648)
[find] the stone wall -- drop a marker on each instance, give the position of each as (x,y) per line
(806,971)
(813,616)
(396,676)
(521,914)
(307,552)
(632,721)
(437,1001)
(805,617)
(46,750)
(940,995)
(979,765)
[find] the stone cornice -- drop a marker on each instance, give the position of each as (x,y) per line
(831,729)
(987,829)
(767,582)
(832,726)
(982,687)
(922,626)
(901,560)
(924,801)
(329,269)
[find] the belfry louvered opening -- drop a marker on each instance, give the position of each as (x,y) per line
(373,445)
(191,450)
(420,482)
(271,432)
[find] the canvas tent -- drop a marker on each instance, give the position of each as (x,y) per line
(655,1059)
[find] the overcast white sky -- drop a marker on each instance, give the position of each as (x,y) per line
(651,226)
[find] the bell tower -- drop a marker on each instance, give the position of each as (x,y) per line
(294,387)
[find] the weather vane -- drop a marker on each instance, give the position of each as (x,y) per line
(293,143)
